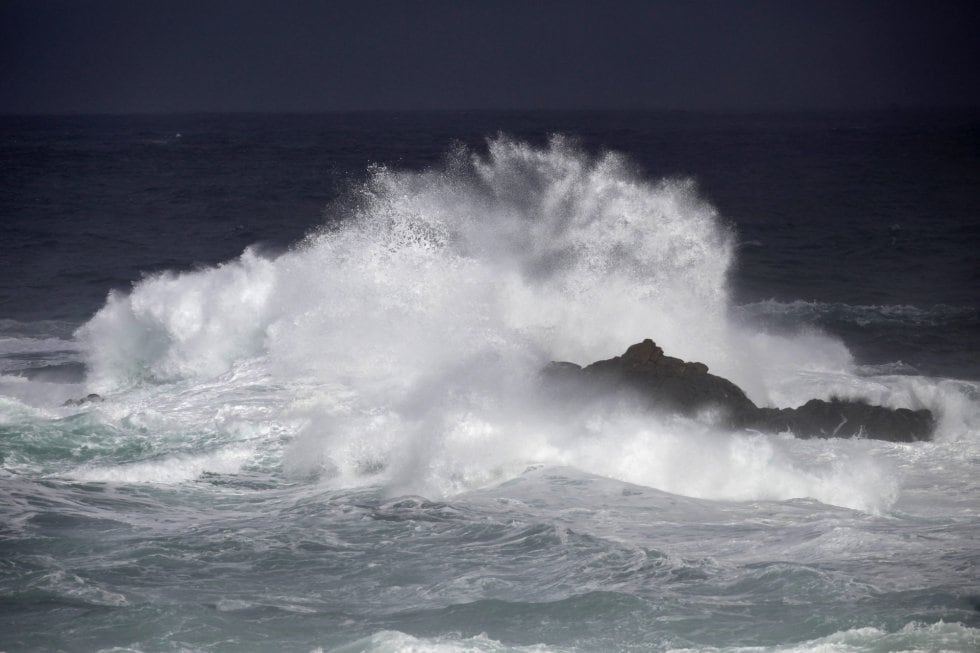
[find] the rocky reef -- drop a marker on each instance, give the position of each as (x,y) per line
(669,384)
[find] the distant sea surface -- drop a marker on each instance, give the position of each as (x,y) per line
(315,341)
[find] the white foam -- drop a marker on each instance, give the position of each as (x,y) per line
(175,468)
(409,336)
(913,637)
(390,641)
(74,587)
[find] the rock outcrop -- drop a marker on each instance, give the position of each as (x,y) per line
(92,398)
(668,384)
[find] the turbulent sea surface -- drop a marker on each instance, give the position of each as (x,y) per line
(317,340)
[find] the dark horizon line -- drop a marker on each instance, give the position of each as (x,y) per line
(889,108)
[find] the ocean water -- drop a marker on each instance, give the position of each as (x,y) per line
(317,341)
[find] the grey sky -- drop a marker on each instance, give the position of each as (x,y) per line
(294,55)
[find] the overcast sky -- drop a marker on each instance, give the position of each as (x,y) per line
(292,55)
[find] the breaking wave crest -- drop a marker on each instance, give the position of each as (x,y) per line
(912,637)
(532,253)
(405,339)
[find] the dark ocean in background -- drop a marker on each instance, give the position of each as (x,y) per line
(317,339)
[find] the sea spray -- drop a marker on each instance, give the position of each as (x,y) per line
(407,338)
(569,255)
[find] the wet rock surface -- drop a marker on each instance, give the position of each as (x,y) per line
(88,399)
(669,384)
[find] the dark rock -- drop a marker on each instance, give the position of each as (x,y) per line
(92,398)
(668,384)
(840,418)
